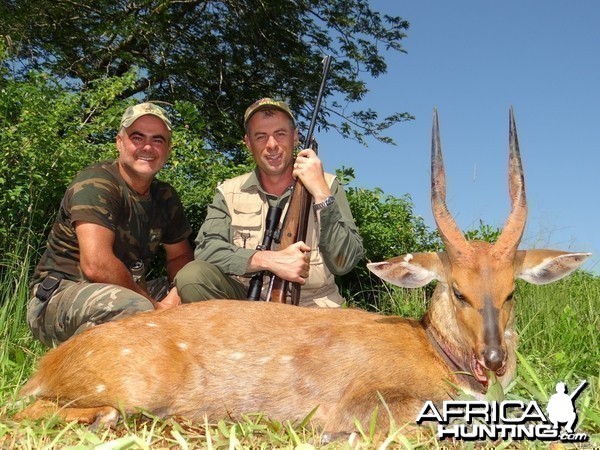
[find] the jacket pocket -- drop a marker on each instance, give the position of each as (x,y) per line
(247,224)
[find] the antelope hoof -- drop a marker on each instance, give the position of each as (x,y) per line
(106,417)
(332,437)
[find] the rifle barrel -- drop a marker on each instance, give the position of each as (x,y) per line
(313,120)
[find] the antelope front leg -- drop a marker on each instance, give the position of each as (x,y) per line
(98,417)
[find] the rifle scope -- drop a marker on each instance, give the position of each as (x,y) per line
(272,221)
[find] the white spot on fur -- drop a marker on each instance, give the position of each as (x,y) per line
(286,358)
(182,345)
(408,257)
(100,388)
(237,355)
(151,324)
(89,353)
(125,351)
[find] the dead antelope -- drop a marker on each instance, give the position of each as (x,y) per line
(222,358)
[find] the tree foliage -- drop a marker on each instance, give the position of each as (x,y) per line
(46,138)
(49,133)
(218,55)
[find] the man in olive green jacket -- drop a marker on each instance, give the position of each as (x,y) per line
(226,254)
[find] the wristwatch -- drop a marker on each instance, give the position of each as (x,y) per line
(328,201)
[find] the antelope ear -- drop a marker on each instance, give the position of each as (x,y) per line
(547,266)
(410,270)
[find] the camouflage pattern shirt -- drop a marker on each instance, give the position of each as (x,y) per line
(99,195)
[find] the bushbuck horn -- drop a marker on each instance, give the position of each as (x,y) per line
(509,240)
(451,235)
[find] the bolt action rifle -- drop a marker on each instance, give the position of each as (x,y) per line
(296,219)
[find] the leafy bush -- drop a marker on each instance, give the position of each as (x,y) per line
(48,135)
(389,228)
(484,232)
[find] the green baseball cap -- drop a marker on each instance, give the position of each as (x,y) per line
(134,112)
(267,103)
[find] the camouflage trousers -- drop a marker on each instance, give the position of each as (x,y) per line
(77,306)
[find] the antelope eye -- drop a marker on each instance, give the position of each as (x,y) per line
(510,296)
(458,295)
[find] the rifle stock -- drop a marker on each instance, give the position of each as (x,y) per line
(293,230)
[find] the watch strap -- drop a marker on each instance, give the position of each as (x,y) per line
(328,201)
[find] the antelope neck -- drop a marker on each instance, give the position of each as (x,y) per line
(454,362)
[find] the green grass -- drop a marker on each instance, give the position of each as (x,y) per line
(17,348)
(559,327)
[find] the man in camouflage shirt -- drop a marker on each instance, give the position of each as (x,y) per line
(112,219)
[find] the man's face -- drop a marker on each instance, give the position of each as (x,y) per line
(144,147)
(271,138)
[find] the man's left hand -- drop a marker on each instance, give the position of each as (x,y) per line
(309,169)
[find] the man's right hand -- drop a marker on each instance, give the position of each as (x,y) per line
(291,264)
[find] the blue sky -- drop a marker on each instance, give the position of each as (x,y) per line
(472,60)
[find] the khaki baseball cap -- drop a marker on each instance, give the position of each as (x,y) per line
(134,112)
(267,103)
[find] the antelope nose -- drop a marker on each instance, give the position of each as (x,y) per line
(493,357)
